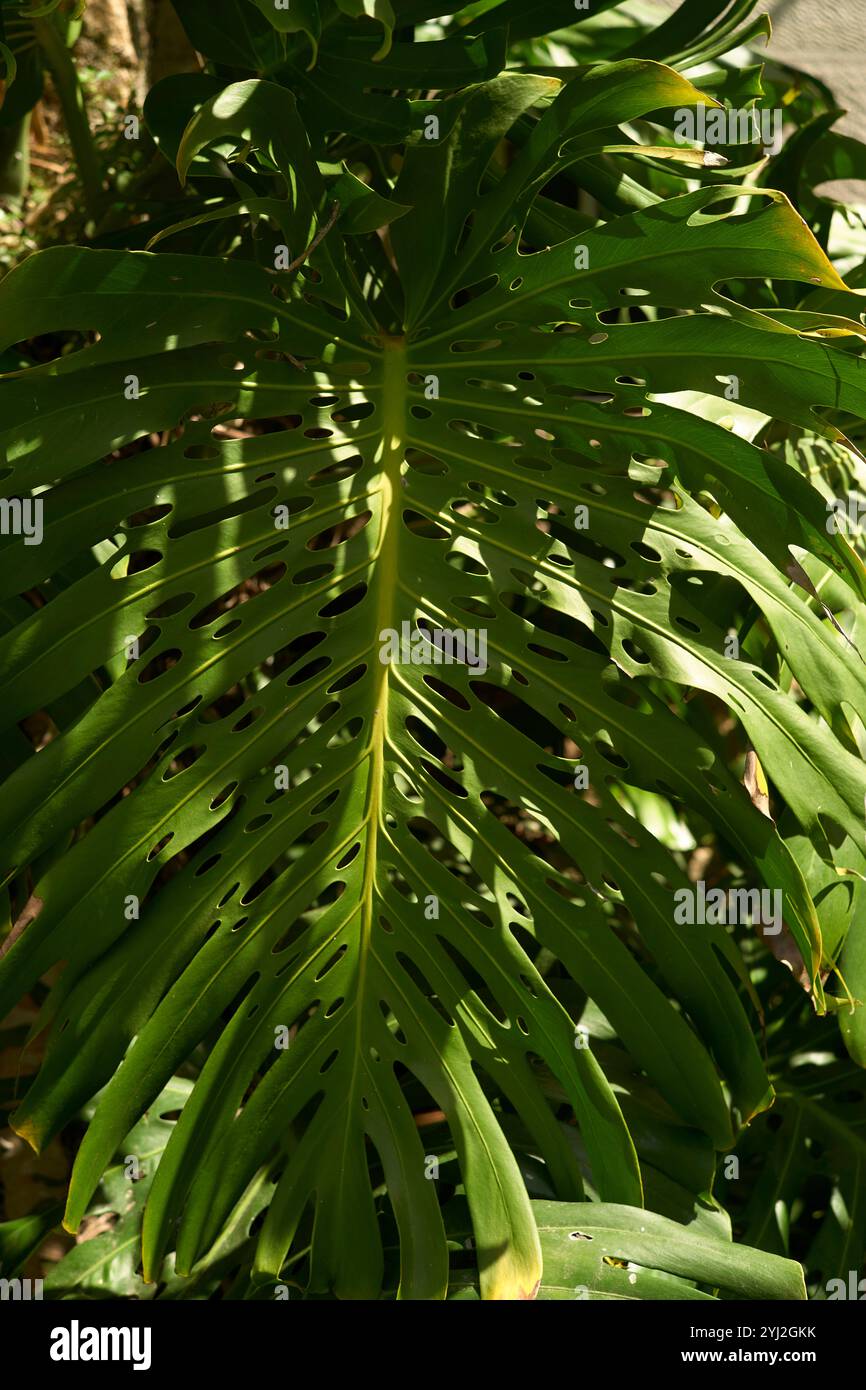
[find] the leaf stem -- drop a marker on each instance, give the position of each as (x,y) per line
(71,96)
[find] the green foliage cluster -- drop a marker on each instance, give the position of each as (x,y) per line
(436,324)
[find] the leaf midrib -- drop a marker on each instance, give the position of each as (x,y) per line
(390,458)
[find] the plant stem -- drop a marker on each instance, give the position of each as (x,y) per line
(15,158)
(71,95)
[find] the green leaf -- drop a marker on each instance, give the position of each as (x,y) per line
(170,106)
(294,17)
(362,209)
(21,1238)
(818,1142)
(231,32)
(304,845)
(107,1264)
(596,1251)
(471,125)
(380,10)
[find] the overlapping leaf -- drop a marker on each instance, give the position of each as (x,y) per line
(603,1252)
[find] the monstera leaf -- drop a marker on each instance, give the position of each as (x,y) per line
(424,546)
(106,1264)
(812,1142)
(603,1252)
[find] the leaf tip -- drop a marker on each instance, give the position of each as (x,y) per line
(26,1130)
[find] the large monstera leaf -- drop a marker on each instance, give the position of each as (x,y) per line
(253,825)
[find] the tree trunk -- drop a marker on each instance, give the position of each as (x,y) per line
(107,42)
